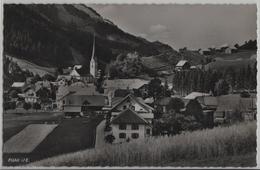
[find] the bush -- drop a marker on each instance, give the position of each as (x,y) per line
(27,106)
(36,106)
(109,138)
(9,105)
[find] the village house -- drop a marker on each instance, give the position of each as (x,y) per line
(129,125)
(233,106)
(79,98)
(182,65)
(124,84)
(29,95)
(130,118)
(202,106)
(18,86)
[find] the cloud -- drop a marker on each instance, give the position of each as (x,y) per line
(157,28)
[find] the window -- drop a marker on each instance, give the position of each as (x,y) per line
(63,101)
(148,131)
(122,135)
(122,126)
(124,107)
(135,127)
(135,135)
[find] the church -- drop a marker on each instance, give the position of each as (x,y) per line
(93,62)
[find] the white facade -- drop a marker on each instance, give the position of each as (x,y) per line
(122,135)
(30,96)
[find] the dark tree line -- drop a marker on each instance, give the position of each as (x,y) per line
(218,82)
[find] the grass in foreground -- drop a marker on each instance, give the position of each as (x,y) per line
(217,143)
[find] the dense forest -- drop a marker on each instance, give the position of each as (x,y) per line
(217,81)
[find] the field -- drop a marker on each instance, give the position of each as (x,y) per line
(235,60)
(34,68)
(28,139)
(70,135)
(238,140)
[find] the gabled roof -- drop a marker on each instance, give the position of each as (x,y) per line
(139,101)
(74,73)
(181,63)
(125,83)
(128,116)
(18,84)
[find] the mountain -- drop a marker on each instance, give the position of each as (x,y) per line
(58,35)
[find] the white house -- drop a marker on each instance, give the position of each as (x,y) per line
(29,95)
(129,125)
(182,65)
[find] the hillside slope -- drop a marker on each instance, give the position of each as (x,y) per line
(56,35)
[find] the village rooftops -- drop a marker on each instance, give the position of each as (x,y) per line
(18,84)
(128,116)
(138,100)
(125,83)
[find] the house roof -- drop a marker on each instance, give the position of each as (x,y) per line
(125,83)
(18,84)
(95,100)
(149,100)
(128,116)
(74,73)
(210,101)
(235,102)
(138,100)
(181,63)
(194,95)
(65,91)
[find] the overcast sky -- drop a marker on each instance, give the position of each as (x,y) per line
(193,26)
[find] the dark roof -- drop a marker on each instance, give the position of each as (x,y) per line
(208,101)
(235,101)
(95,100)
(128,116)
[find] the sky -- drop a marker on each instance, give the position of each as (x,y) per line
(192,26)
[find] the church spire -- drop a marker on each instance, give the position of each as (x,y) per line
(93,49)
(93,62)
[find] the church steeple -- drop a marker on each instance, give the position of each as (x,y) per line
(93,62)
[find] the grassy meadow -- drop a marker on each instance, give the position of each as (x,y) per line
(208,144)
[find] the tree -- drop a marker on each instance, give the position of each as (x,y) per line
(36,106)
(48,77)
(109,138)
(176,104)
(155,89)
(221,87)
(27,106)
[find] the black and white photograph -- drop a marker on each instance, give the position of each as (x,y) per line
(129,85)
